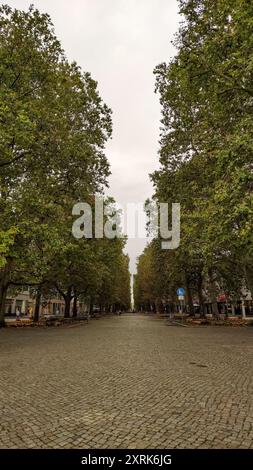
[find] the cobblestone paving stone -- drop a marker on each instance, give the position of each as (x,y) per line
(126,382)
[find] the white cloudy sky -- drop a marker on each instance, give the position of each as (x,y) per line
(120,42)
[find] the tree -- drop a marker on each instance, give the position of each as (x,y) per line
(206,146)
(54,126)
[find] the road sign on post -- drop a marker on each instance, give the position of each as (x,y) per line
(181,292)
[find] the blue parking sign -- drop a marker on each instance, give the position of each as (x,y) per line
(181,291)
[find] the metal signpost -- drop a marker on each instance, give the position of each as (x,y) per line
(181,296)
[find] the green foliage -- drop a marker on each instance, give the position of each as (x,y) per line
(53,127)
(206,151)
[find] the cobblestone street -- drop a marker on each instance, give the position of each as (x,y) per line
(126,382)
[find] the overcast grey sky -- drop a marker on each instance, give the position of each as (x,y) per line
(120,42)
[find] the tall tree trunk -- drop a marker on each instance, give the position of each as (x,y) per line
(213,295)
(36,315)
(159,306)
(91,307)
(200,294)
(3,291)
(249,278)
(67,307)
(74,313)
(189,295)
(67,299)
